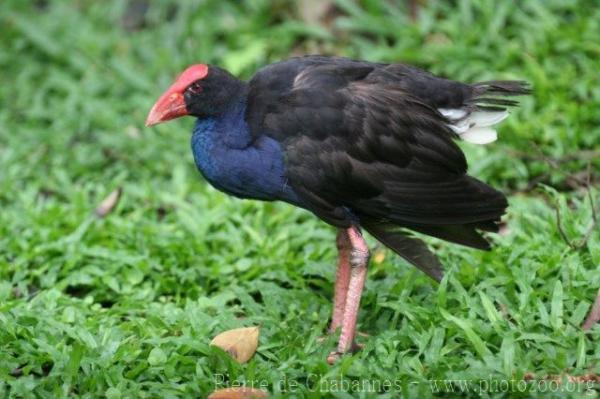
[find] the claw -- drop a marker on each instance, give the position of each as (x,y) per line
(333,357)
(356,347)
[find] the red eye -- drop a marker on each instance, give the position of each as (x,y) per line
(195,87)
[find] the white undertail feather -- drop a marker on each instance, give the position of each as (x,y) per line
(453,114)
(476,127)
(480,135)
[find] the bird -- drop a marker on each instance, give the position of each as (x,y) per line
(364,146)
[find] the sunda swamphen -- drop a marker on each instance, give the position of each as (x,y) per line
(359,144)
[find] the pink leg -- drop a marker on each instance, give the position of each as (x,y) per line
(359,258)
(342,279)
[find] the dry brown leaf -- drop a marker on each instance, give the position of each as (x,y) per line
(108,203)
(558,378)
(240,343)
(238,393)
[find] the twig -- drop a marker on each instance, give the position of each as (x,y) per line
(572,180)
(594,315)
(413,7)
(591,228)
(584,155)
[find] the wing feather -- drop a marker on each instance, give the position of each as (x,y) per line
(376,151)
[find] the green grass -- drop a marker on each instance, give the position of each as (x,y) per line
(125,306)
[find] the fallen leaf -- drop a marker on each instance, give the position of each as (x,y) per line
(240,343)
(108,203)
(379,256)
(528,376)
(238,393)
(559,378)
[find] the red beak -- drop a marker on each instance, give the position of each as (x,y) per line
(169,106)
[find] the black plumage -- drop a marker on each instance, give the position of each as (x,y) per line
(366,141)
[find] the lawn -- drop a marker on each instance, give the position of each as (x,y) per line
(125,305)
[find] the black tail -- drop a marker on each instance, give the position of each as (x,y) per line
(416,252)
(485,94)
(412,249)
(465,234)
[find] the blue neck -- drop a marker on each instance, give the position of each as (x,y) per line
(229,130)
(231,160)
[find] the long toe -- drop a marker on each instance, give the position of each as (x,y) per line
(335,355)
(356,347)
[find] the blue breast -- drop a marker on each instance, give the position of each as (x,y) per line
(232,162)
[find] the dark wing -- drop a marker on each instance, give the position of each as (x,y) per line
(376,150)
(360,144)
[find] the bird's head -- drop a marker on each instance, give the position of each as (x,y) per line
(200,90)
